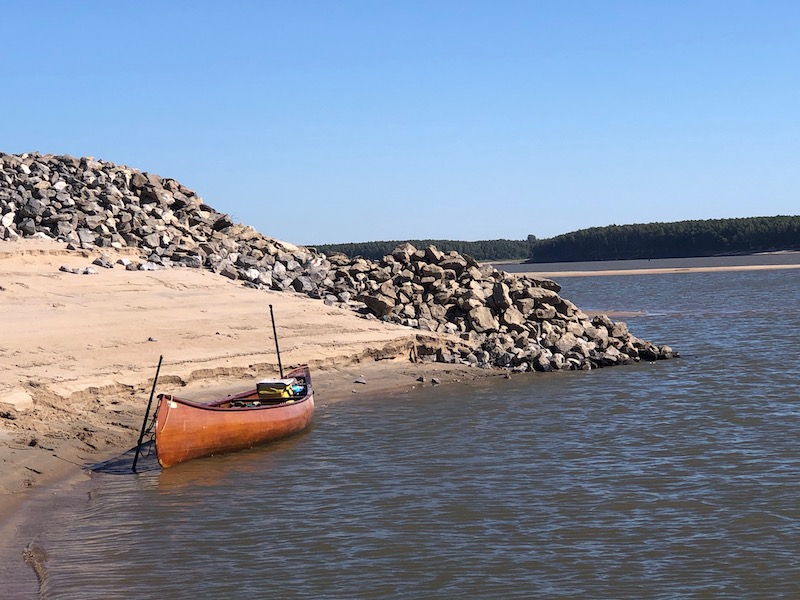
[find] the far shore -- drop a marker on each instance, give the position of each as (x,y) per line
(660,266)
(660,271)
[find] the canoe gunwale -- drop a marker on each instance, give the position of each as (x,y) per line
(302,372)
(249,394)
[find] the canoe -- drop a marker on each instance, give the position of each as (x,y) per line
(273,410)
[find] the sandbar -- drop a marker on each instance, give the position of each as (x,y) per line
(611,272)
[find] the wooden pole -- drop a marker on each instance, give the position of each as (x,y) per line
(275,334)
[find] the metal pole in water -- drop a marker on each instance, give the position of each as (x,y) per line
(147,414)
(275,334)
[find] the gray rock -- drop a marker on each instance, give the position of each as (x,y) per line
(501,297)
(380,304)
(498,318)
(482,320)
(103,261)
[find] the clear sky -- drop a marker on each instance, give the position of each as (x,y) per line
(352,120)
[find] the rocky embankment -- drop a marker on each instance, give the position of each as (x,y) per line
(495,319)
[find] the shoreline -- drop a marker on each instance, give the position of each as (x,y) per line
(79,352)
(212,352)
(331,385)
(29,508)
(657,266)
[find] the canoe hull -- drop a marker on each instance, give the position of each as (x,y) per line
(186,430)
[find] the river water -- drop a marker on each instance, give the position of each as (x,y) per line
(679,479)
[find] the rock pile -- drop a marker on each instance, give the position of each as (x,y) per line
(494,319)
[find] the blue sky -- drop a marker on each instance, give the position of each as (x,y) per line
(354,120)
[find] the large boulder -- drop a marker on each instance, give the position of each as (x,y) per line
(482,320)
(380,304)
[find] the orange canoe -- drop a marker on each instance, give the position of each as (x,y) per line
(275,409)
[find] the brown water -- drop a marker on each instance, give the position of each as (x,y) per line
(679,479)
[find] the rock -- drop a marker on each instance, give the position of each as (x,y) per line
(566,342)
(482,320)
(19,399)
(649,353)
(303,284)
(380,304)
(521,322)
(103,261)
(226,269)
(513,318)
(619,330)
(500,296)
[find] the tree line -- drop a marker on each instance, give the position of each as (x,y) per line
(485,250)
(679,239)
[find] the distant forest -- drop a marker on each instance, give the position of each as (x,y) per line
(485,250)
(616,242)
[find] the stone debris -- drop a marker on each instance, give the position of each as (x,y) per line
(487,317)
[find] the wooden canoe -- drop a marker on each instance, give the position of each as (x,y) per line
(187,430)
